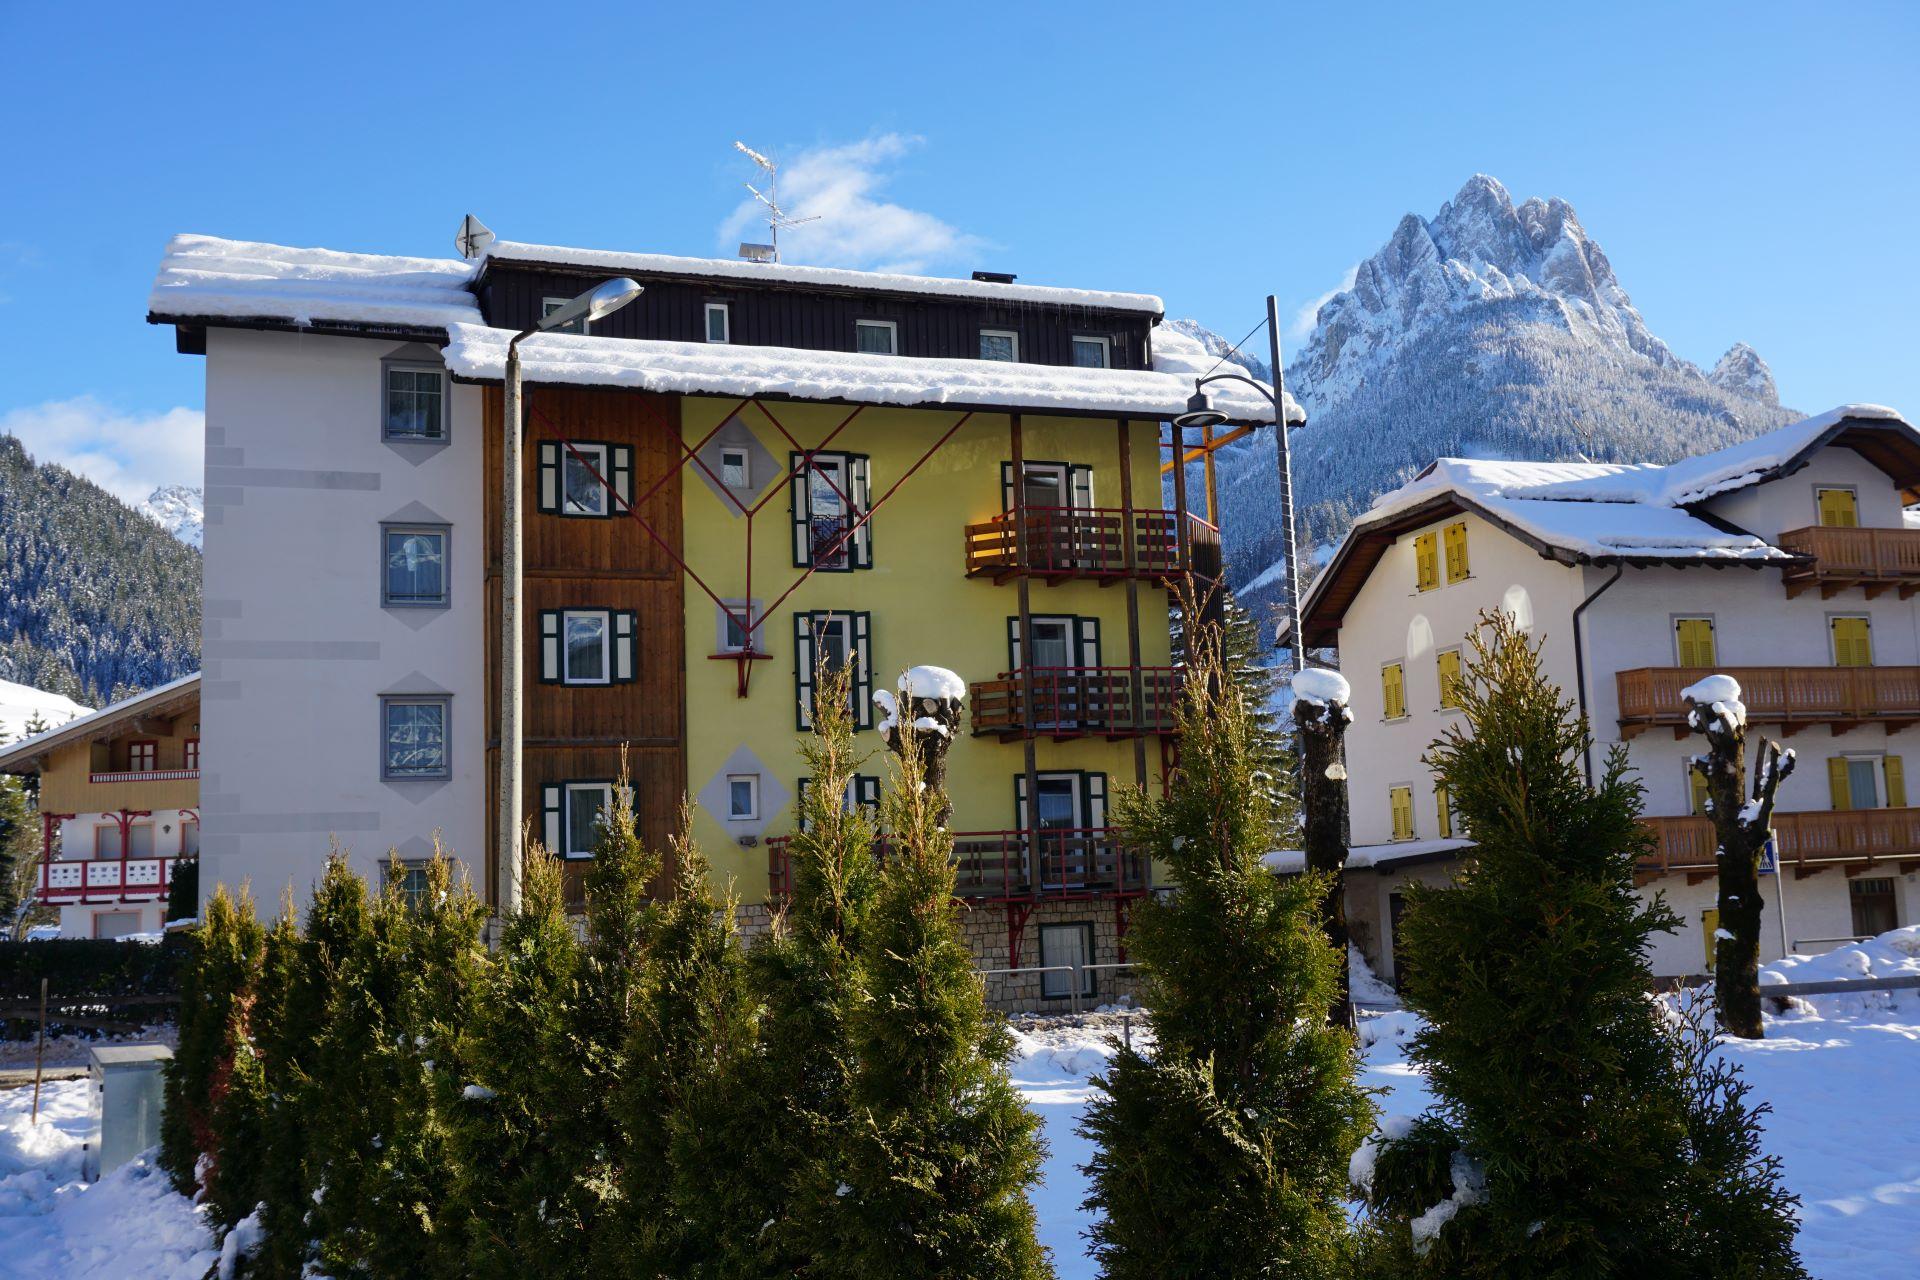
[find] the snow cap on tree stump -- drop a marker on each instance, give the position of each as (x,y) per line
(932,696)
(1715,698)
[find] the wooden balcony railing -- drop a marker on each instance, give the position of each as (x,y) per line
(1090,542)
(1014,866)
(1879,560)
(1076,702)
(1807,841)
(104,880)
(1792,697)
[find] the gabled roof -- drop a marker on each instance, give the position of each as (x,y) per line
(1608,513)
(166,699)
(207,278)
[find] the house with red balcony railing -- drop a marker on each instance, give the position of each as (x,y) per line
(119,797)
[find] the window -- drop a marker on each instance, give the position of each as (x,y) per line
(1839,508)
(1090,352)
(743,797)
(587,646)
(1426,562)
(1073,805)
(1866,782)
(1697,791)
(862,789)
(1693,644)
(190,754)
(1852,642)
(831,494)
(999,344)
(410,878)
(415,402)
(415,573)
(585,478)
(414,737)
(1393,691)
(550,305)
(1400,804)
(824,643)
(1065,944)
(115,924)
(1874,907)
(189,838)
(735,468)
(1454,536)
(876,337)
(1710,932)
(1442,811)
(1448,662)
(143,757)
(139,840)
(731,618)
(1048,486)
(719,323)
(570,815)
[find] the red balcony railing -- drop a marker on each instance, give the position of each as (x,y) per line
(104,880)
(1805,839)
(1879,560)
(146,775)
(1089,542)
(1008,866)
(1789,696)
(1076,702)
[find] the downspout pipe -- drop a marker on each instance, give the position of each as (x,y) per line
(1580,663)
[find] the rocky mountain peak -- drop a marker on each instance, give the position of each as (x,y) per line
(1743,372)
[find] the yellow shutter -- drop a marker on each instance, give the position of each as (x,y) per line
(1442,811)
(1896,783)
(1852,643)
(1393,691)
(1449,664)
(1838,509)
(1426,563)
(1710,926)
(1838,791)
(1400,800)
(1456,545)
(1693,642)
(1699,789)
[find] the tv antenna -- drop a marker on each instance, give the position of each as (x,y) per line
(776,216)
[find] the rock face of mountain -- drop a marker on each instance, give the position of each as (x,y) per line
(1490,330)
(96,600)
(179,509)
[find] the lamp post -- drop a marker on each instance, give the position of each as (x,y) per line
(1201,413)
(602,300)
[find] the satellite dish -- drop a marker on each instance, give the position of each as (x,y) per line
(474,237)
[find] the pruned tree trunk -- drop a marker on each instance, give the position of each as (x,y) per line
(1740,830)
(932,714)
(1324,827)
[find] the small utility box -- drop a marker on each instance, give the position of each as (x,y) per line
(126,1090)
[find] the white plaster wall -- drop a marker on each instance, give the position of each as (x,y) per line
(297,649)
(1770,509)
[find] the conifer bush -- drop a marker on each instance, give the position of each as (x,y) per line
(284,1021)
(1225,1153)
(1588,1138)
(216,991)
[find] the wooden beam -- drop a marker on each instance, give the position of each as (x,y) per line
(1218,441)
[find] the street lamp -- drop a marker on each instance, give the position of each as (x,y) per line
(601,300)
(1202,413)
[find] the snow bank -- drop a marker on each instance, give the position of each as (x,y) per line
(205,276)
(1321,686)
(1891,955)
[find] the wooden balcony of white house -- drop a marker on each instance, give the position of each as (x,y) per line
(1855,840)
(1052,865)
(1837,559)
(1100,544)
(1793,698)
(69,881)
(1076,702)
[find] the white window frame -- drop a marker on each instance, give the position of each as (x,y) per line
(439,373)
(752,813)
(892,328)
(568,791)
(722,617)
(605,618)
(731,453)
(1106,349)
(1013,338)
(726,321)
(445,703)
(550,305)
(597,452)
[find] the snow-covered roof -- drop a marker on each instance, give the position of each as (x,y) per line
(26,751)
(19,703)
(702,368)
(1380,857)
(789,273)
(204,276)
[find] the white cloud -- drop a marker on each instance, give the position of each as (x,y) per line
(1306,317)
(855,228)
(128,454)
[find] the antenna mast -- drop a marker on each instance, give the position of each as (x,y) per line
(776,216)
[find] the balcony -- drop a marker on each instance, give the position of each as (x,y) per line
(1019,866)
(1808,842)
(1092,543)
(104,880)
(145,775)
(1791,697)
(1878,560)
(1076,702)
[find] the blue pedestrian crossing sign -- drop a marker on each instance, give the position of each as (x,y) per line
(1770,856)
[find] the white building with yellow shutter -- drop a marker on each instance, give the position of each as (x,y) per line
(1786,562)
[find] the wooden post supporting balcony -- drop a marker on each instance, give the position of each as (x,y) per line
(1792,697)
(1835,560)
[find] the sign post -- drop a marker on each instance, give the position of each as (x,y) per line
(1770,866)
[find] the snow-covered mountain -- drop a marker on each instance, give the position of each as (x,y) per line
(178,509)
(22,707)
(1489,330)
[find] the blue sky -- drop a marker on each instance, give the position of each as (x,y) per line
(1752,171)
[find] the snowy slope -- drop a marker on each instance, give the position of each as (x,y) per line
(178,509)
(19,703)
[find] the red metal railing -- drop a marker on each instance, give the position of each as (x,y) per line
(1838,835)
(104,880)
(1776,695)
(1082,542)
(146,775)
(1080,862)
(1071,702)
(1839,558)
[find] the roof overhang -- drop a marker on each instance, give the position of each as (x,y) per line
(164,702)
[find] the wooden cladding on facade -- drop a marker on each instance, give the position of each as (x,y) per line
(819,318)
(575,733)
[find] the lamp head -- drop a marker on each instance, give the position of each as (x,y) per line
(602,300)
(1200,411)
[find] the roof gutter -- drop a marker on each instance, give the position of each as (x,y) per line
(1580,665)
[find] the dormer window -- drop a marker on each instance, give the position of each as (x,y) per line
(1091,352)
(719,323)
(999,344)
(550,305)
(876,337)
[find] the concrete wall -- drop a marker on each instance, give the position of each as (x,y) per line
(297,649)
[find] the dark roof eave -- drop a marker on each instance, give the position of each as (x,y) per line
(324,328)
